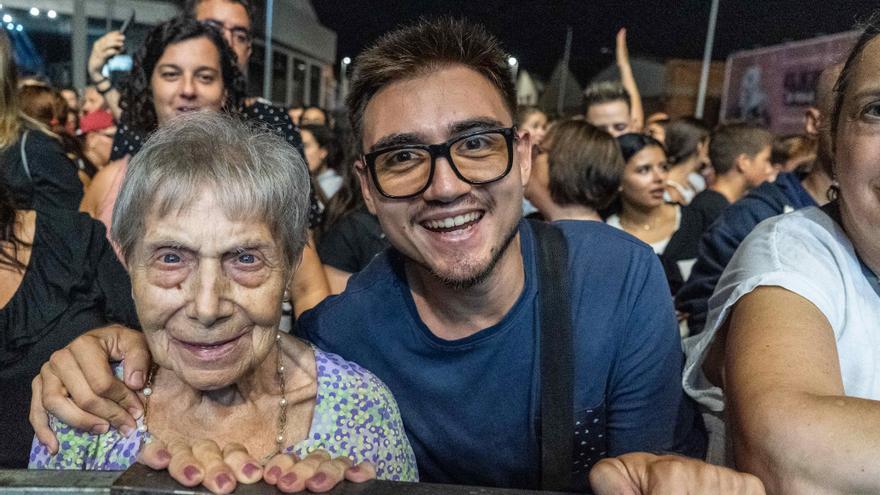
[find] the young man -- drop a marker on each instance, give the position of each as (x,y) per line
(609,108)
(740,155)
(449,317)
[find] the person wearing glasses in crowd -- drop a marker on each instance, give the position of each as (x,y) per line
(454,306)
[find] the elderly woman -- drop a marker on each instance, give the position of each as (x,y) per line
(792,333)
(211,221)
(575,172)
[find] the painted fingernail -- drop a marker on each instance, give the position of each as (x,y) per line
(274,473)
(135,412)
(288,479)
(126,430)
(318,479)
(163,455)
(249,469)
(354,469)
(223,480)
(190,472)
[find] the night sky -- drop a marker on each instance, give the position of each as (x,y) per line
(534,31)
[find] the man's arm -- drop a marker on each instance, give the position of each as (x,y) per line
(105,47)
(792,424)
(78,387)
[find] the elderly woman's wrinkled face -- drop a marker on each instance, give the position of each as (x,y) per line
(858,155)
(208,291)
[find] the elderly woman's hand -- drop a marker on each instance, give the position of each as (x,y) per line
(220,470)
(318,472)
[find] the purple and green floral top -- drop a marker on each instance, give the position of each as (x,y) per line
(355,416)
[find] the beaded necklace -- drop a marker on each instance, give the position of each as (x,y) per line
(282,404)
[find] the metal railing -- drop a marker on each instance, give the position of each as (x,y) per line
(141,480)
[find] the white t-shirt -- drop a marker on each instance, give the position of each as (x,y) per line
(659,246)
(807,253)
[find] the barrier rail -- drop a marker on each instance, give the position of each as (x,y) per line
(141,480)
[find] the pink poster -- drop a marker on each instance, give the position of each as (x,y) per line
(773,86)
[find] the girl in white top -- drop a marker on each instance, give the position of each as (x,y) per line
(643,212)
(793,335)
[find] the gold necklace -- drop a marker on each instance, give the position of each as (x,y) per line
(646,227)
(282,404)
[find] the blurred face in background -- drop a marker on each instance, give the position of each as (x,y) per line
(315,154)
(313,116)
(612,117)
(92,100)
(232,19)
(536,125)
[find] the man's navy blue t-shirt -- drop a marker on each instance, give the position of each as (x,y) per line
(470,406)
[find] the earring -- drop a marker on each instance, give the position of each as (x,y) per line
(833,190)
(286,296)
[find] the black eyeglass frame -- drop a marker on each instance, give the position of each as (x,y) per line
(219,26)
(442,149)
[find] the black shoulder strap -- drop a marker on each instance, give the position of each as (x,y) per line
(557,358)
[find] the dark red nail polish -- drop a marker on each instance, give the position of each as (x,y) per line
(223,480)
(249,469)
(288,479)
(354,469)
(190,472)
(318,479)
(274,473)
(163,455)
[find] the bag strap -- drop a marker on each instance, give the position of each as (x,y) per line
(24,162)
(557,358)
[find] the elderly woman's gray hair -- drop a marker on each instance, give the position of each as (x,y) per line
(253,173)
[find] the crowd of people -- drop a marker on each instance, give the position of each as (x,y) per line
(482,294)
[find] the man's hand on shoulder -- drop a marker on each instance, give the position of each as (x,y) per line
(640,473)
(77,384)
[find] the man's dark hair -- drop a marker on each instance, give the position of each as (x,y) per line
(425,46)
(683,136)
(732,140)
(584,164)
(137,96)
(605,92)
(189,8)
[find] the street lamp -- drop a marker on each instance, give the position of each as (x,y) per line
(514,66)
(7,18)
(51,14)
(35,11)
(343,77)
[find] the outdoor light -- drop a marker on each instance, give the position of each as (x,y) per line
(51,14)
(10,26)
(512,61)
(7,18)
(346,60)
(19,28)
(35,11)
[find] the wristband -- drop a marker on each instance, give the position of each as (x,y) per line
(103,92)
